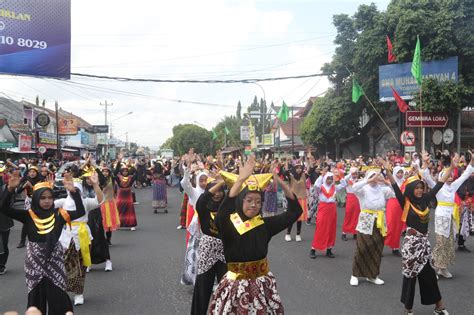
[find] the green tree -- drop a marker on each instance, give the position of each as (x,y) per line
(233,124)
(186,136)
(239,110)
(323,125)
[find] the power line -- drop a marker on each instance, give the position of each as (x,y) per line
(252,80)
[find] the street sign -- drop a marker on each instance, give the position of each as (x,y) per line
(255,114)
(437,137)
(410,149)
(42,150)
(244,133)
(448,136)
(100,129)
(426,119)
(407,138)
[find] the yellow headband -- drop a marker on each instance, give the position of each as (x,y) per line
(412,179)
(256,182)
(42,185)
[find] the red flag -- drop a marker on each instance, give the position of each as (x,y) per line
(391,56)
(402,105)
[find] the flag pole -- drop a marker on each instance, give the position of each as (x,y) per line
(390,130)
(422,130)
(375,110)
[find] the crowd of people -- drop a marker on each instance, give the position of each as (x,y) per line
(230,211)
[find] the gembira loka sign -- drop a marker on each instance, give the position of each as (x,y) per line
(35,37)
(426,119)
(399,76)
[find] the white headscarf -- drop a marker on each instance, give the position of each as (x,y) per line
(325,177)
(397,169)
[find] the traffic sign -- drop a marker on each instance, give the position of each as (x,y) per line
(42,150)
(448,136)
(426,119)
(407,138)
(410,149)
(437,137)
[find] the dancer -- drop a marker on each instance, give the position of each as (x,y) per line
(108,209)
(160,200)
(298,187)
(249,286)
(373,195)
(211,261)
(394,215)
(447,216)
(125,203)
(326,220)
(44,263)
(465,192)
(77,240)
(351,216)
(193,230)
(416,249)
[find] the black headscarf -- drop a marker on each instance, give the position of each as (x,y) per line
(422,202)
(42,214)
(213,205)
(239,202)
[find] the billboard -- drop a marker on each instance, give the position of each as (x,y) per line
(67,126)
(399,76)
(35,37)
(47,140)
(7,139)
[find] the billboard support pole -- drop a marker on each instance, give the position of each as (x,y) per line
(422,130)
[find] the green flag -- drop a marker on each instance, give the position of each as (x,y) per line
(357,91)
(283,113)
(226,130)
(214,135)
(416,64)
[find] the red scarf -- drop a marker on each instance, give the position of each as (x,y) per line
(329,194)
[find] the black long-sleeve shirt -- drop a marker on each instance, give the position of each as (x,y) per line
(31,229)
(208,225)
(252,245)
(413,220)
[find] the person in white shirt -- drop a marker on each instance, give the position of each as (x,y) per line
(351,216)
(326,220)
(446,215)
(373,194)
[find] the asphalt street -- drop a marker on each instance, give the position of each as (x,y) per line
(148,264)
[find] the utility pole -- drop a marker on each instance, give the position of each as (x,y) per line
(292,132)
(106,105)
(58,144)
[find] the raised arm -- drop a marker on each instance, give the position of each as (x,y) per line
(465,175)
(5,203)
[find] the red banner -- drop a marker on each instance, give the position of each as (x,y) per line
(426,119)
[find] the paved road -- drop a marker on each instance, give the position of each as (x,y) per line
(148,263)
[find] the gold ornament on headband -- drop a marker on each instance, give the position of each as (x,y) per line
(210,179)
(87,172)
(42,185)
(256,182)
(369,168)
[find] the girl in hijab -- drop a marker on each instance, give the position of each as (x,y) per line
(211,262)
(160,199)
(27,182)
(326,219)
(447,216)
(351,216)
(44,263)
(394,215)
(194,232)
(249,286)
(373,195)
(108,209)
(416,249)
(124,195)
(77,239)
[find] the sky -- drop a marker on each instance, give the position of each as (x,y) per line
(202,40)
